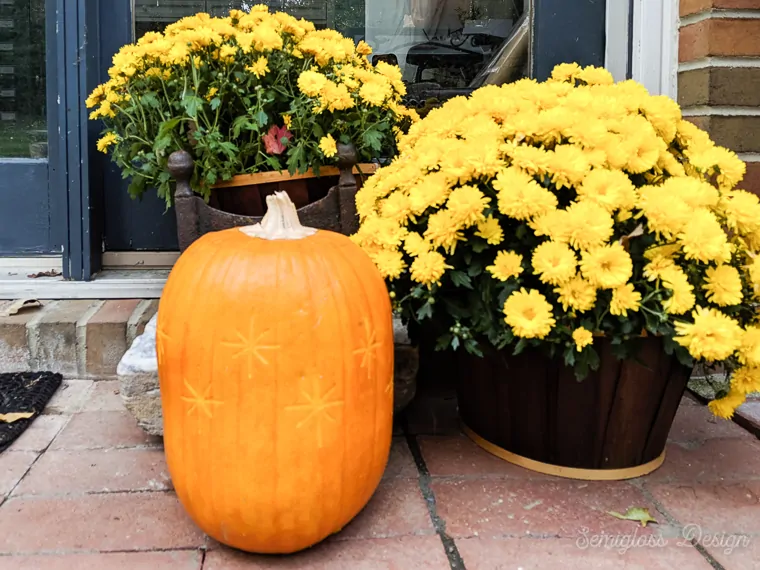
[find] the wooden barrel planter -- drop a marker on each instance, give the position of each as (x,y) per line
(324,201)
(531,410)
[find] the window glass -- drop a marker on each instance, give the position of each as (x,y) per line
(23,123)
(441,45)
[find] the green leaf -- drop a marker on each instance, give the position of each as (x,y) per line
(521,345)
(637,514)
(570,357)
(215,102)
(373,139)
(475,269)
(261,118)
(461,279)
(192,104)
(239,124)
(479,246)
(455,343)
(426,311)
(443,342)
(471,346)
(318,131)
(150,100)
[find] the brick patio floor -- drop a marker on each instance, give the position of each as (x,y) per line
(85,489)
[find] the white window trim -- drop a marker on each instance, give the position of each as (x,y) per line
(654,45)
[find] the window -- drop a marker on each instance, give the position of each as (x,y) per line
(23,124)
(441,45)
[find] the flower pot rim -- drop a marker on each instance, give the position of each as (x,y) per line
(274,176)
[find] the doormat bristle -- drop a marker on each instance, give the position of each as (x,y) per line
(24,393)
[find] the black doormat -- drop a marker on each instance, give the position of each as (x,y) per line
(24,392)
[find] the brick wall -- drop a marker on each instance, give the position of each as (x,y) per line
(719,75)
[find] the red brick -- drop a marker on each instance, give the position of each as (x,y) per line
(730,459)
(734,552)
(494,508)
(402,553)
(713,507)
(104,397)
(97,471)
(697,423)
(751,180)
(400,463)
(40,433)
(458,456)
(14,465)
(99,430)
(535,554)
(396,509)
(106,334)
(143,313)
(119,521)
(696,6)
(719,37)
(177,560)
(70,397)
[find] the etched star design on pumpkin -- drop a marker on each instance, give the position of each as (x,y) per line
(251,346)
(203,403)
(161,340)
(318,406)
(370,344)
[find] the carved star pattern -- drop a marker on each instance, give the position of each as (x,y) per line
(317,408)
(162,339)
(202,403)
(389,387)
(251,346)
(368,351)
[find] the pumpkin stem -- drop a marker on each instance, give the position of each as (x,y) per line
(280,222)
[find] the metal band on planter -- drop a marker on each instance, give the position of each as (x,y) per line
(566,472)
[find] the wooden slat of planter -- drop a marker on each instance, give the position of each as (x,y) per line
(282,176)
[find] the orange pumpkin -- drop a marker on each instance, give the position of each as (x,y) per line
(275,352)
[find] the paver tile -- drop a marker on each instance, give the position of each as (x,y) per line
(104,397)
(13,466)
(99,430)
(401,553)
(97,471)
(574,554)
(400,462)
(40,433)
(70,397)
(172,560)
(697,423)
(734,552)
(495,508)
(110,522)
(729,459)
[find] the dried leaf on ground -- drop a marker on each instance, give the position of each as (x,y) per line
(635,514)
(15,416)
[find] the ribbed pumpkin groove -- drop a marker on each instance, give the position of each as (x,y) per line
(276,376)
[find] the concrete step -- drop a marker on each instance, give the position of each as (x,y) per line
(77,338)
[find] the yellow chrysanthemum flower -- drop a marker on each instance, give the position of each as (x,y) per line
(107,141)
(749,351)
(712,336)
(328,146)
(521,197)
(703,239)
(726,406)
(442,231)
(666,215)
(507,265)
(682,297)
(723,285)
(529,314)
(624,298)
(554,263)
(490,230)
(259,68)
(375,93)
(577,294)
(746,380)
(415,245)
(428,268)
(607,267)
(582,338)
(742,211)
(390,263)
(311,83)
(586,225)
(395,207)
(466,205)
(611,189)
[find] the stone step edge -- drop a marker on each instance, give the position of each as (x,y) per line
(77,338)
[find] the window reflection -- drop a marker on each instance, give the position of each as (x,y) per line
(23,124)
(442,46)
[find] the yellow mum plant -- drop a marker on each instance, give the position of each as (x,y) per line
(247,93)
(554,214)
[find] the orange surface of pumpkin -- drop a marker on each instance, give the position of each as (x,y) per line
(276,375)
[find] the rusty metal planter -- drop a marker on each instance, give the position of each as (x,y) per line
(530,410)
(325,202)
